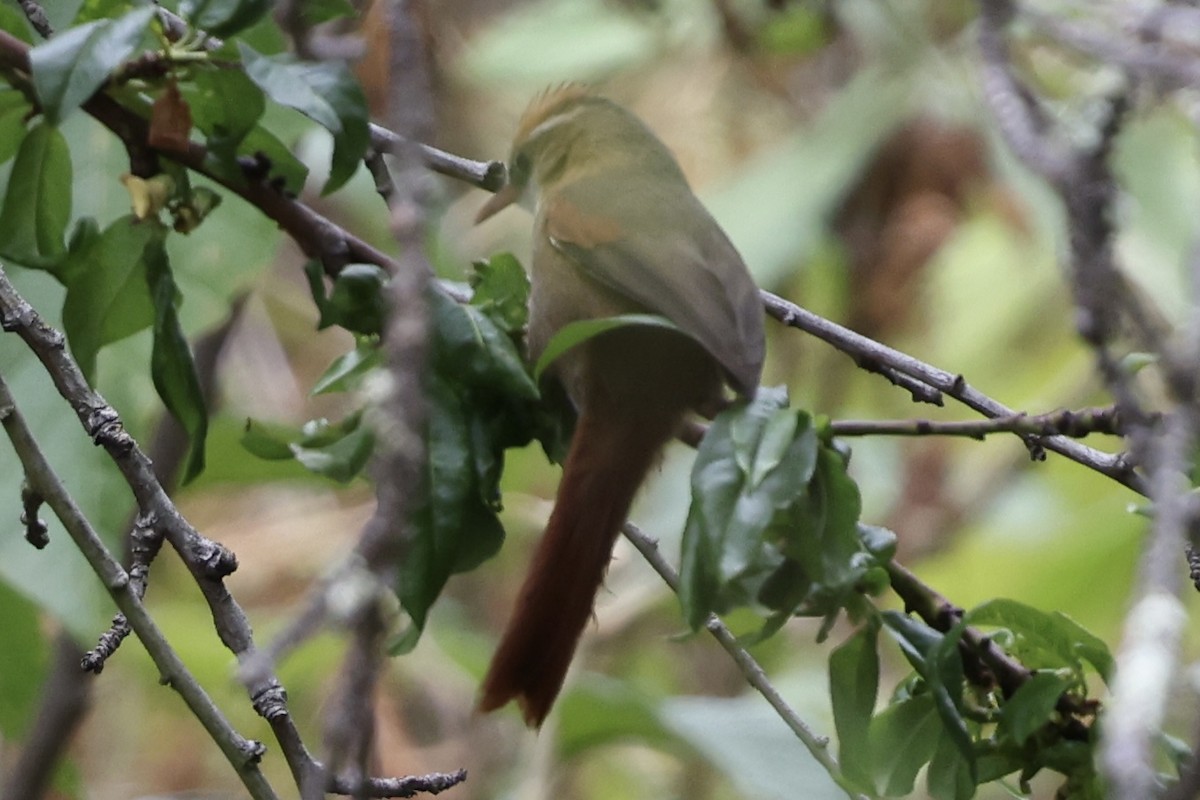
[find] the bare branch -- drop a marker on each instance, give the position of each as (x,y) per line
(869,352)
(1075,424)
(242,754)
(37,17)
(817,745)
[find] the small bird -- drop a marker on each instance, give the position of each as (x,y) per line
(617,230)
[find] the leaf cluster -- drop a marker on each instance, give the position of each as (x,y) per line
(774,521)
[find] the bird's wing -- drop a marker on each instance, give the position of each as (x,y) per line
(690,274)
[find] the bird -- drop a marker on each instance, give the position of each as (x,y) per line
(617,230)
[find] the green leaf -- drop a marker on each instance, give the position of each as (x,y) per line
(108,297)
(347,370)
(1032,705)
(916,639)
(903,739)
(338,451)
(576,333)
(949,776)
(327,93)
(470,346)
(342,459)
(37,203)
(752,465)
(936,658)
(270,443)
(501,290)
(453,529)
(223,18)
(171,364)
(14,111)
(225,105)
(854,685)
(69,68)
(1044,640)
(356,301)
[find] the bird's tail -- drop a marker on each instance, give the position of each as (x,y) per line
(609,457)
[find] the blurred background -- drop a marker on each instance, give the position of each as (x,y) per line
(845,148)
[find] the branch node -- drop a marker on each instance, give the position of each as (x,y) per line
(105,428)
(1193,561)
(271,701)
(93,660)
(216,560)
(252,750)
(36,531)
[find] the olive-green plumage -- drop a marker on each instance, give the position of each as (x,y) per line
(617,230)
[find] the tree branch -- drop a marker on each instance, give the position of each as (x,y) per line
(816,744)
(242,754)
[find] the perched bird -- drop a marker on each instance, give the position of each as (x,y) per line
(617,231)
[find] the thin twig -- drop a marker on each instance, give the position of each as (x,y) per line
(1075,424)
(37,18)
(817,745)
(868,351)
(243,754)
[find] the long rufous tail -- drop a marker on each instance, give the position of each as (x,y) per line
(609,457)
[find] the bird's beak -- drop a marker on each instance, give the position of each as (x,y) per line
(508,194)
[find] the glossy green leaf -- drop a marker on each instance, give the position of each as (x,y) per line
(1044,640)
(223,18)
(37,202)
(903,739)
(347,370)
(263,158)
(14,110)
(357,300)
(69,68)
(470,345)
(753,464)
(575,333)
(453,528)
(853,687)
(501,290)
(327,93)
(225,106)
(108,297)
(1032,705)
(171,365)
